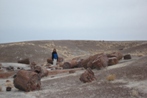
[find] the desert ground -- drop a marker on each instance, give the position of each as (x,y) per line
(130,75)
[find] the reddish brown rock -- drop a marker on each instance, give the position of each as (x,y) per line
(96,61)
(60,59)
(85,62)
(100,61)
(27,81)
(118,55)
(4,74)
(72,71)
(41,71)
(112,61)
(24,61)
(127,56)
(87,76)
(32,65)
(50,61)
(66,65)
(76,62)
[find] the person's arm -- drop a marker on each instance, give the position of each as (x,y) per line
(57,57)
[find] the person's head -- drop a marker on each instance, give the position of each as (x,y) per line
(54,50)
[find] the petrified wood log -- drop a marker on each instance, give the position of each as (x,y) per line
(24,61)
(95,61)
(76,62)
(27,81)
(87,76)
(100,61)
(127,56)
(118,55)
(60,59)
(66,65)
(42,71)
(32,65)
(112,61)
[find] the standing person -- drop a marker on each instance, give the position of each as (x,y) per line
(54,57)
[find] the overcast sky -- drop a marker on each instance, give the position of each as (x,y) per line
(25,20)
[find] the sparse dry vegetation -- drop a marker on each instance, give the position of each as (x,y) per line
(111,77)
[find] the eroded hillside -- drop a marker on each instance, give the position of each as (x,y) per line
(39,51)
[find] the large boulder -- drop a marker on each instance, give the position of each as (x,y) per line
(96,61)
(112,61)
(100,61)
(27,81)
(118,55)
(76,62)
(87,76)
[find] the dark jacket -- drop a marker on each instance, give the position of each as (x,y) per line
(54,55)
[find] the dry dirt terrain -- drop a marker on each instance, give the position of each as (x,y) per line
(130,75)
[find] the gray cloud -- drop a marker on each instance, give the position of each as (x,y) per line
(73,19)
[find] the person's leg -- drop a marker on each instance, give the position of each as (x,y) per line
(54,62)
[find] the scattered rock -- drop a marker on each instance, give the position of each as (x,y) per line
(32,65)
(27,81)
(87,76)
(24,61)
(18,67)
(66,65)
(72,71)
(50,61)
(42,71)
(8,88)
(60,59)
(10,68)
(127,56)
